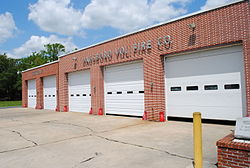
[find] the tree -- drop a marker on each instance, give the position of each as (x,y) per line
(35,59)
(52,51)
(8,78)
(11,80)
(49,54)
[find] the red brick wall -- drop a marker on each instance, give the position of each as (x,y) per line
(24,93)
(97,89)
(246,52)
(221,26)
(63,91)
(232,154)
(39,93)
(38,74)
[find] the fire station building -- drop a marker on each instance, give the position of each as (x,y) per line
(198,62)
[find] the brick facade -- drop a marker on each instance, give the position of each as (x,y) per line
(222,26)
(37,74)
(233,154)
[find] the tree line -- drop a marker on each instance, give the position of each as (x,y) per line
(11,68)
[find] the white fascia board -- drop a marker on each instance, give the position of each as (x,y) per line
(153,26)
(40,66)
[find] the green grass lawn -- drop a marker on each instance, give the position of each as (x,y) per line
(10,103)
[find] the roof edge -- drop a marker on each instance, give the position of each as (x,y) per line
(153,26)
(40,66)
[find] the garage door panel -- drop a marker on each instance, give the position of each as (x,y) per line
(126,111)
(206,60)
(136,66)
(123,74)
(124,105)
(49,91)
(118,98)
(79,78)
(82,105)
(222,73)
(126,74)
(207,112)
(130,84)
(79,91)
(32,93)
(129,92)
(124,89)
(131,102)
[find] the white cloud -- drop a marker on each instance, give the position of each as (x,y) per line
(36,43)
(130,15)
(120,14)
(7,26)
(214,3)
(56,16)
(59,16)
(162,10)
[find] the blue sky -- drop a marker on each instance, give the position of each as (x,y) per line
(26,25)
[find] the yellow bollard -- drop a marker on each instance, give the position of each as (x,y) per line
(197,140)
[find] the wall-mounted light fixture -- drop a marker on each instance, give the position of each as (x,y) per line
(192,37)
(192,26)
(74,59)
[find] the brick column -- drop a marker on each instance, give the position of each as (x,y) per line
(97,88)
(24,93)
(154,96)
(57,93)
(246,52)
(39,93)
(63,92)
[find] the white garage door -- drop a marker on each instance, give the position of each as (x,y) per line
(210,82)
(32,93)
(79,91)
(49,92)
(124,89)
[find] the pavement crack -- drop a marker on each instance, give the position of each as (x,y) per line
(24,137)
(53,142)
(88,159)
(145,147)
(90,129)
(124,127)
(94,134)
(75,125)
(12,150)
(117,141)
(49,121)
